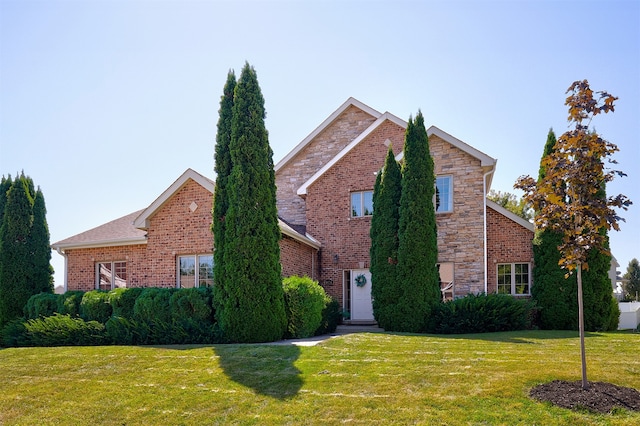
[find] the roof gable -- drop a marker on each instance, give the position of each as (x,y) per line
(142,221)
(325,124)
(510,215)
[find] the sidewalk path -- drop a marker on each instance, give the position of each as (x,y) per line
(340,330)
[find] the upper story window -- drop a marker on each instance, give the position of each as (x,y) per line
(195,271)
(444,194)
(361,203)
(110,275)
(514,278)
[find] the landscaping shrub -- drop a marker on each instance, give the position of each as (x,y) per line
(95,306)
(191,303)
(614,317)
(331,316)
(58,330)
(14,333)
(123,300)
(152,305)
(41,305)
(304,301)
(69,303)
(480,314)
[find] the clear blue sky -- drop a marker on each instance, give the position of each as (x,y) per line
(105,103)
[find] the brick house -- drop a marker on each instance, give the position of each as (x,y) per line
(324,199)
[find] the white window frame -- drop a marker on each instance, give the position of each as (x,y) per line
(513,274)
(196,258)
(115,281)
(448,196)
(362,204)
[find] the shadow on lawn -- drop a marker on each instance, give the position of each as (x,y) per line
(267,369)
(523,336)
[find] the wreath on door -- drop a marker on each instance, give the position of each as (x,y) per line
(361,280)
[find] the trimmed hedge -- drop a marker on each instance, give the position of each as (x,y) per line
(194,303)
(41,305)
(55,330)
(95,306)
(123,300)
(153,305)
(304,301)
(69,303)
(480,314)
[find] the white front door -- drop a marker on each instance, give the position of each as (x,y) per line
(361,307)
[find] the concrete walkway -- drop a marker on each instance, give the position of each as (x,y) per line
(340,330)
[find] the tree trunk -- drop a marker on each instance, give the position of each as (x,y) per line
(585,384)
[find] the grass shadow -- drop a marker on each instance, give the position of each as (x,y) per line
(267,369)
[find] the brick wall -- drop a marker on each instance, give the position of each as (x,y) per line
(298,258)
(507,242)
(310,159)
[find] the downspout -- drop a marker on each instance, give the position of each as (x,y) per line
(66,270)
(484,216)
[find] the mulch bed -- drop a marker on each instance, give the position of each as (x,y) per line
(601,397)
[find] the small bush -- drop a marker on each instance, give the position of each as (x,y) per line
(480,314)
(304,301)
(61,330)
(95,306)
(41,305)
(123,300)
(69,303)
(193,303)
(614,318)
(153,305)
(331,316)
(14,334)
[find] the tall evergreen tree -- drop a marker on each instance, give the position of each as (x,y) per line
(631,285)
(253,307)
(41,274)
(15,250)
(384,241)
(418,245)
(5,184)
(223,170)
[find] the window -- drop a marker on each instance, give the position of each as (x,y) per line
(361,203)
(190,275)
(444,194)
(110,275)
(514,278)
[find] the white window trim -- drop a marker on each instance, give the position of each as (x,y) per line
(113,267)
(450,198)
(513,278)
(196,266)
(361,203)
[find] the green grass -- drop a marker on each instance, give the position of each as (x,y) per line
(355,379)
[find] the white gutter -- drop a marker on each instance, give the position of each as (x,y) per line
(484,218)
(66,270)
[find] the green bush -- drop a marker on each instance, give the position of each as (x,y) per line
(95,306)
(153,305)
(41,305)
(614,318)
(480,314)
(57,330)
(123,300)
(304,301)
(14,334)
(69,303)
(331,316)
(193,303)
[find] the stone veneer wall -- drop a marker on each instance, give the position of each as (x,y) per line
(312,157)
(508,242)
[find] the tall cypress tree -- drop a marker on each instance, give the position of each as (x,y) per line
(418,242)
(15,250)
(41,274)
(253,307)
(384,241)
(223,170)
(5,184)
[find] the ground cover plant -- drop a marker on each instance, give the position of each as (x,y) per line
(366,378)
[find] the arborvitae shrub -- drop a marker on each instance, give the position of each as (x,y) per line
(480,314)
(41,305)
(95,306)
(191,303)
(304,301)
(614,318)
(331,316)
(63,330)
(123,300)
(69,303)
(153,305)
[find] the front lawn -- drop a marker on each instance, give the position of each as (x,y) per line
(357,379)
